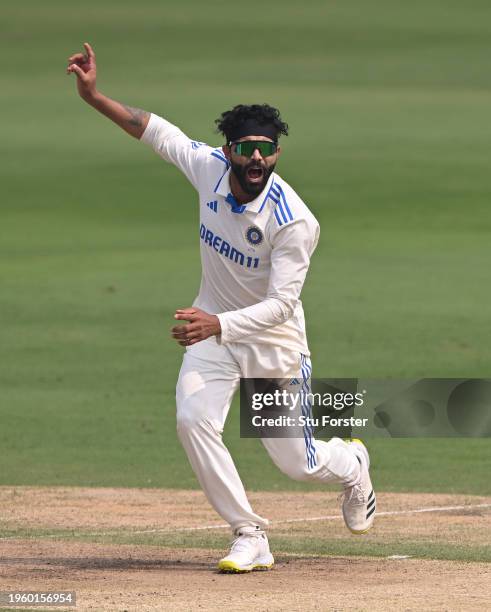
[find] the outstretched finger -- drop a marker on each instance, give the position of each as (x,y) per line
(186,317)
(187,314)
(90,51)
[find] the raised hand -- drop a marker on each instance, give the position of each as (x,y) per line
(133,120)
(84,66)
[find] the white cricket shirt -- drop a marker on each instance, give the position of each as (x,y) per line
(254,256)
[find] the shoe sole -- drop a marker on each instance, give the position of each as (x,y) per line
(229,567)
(359,532)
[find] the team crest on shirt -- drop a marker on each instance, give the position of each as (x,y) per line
(254,235)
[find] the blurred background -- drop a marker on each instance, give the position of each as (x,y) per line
(388,105)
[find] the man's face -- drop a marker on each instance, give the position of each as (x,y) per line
(252,171)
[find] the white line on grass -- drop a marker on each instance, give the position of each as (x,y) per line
(330,517)
(309,519)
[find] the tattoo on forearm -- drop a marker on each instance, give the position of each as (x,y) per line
(137,115)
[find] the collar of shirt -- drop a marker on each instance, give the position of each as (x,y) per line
(223,189)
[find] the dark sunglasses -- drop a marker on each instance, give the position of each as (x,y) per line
(247,147)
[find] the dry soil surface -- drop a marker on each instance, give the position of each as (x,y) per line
(131,577)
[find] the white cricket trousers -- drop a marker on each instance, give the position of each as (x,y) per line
(209,376)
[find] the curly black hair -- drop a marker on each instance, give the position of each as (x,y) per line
(262,113)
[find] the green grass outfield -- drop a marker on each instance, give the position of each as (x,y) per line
(388,104)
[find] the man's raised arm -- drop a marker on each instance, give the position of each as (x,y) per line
(132,120)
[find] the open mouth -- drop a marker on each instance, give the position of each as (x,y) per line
(255,174)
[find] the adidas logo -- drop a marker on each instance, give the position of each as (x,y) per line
(294,381)
(213,205)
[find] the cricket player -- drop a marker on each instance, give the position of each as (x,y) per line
(256,237)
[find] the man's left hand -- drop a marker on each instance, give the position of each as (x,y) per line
(201,326)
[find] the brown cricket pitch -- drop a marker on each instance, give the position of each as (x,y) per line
(111,576)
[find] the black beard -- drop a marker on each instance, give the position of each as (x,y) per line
(252,189)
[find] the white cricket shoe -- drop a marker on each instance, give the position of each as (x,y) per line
(359,499)
(250,551)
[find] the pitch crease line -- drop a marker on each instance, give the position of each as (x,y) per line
(329,517)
